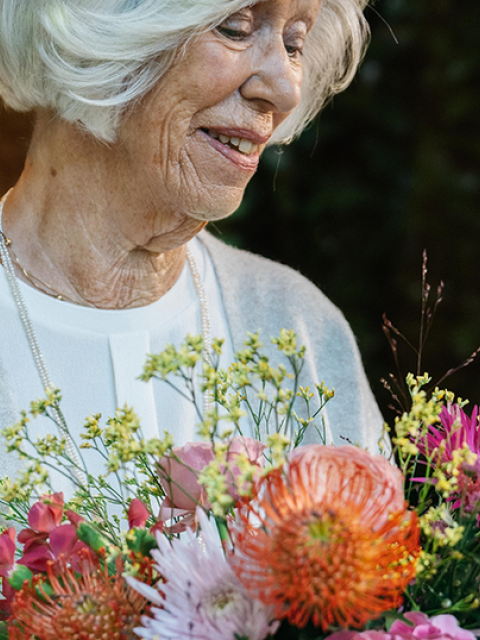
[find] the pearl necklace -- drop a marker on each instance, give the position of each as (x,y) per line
(38,355)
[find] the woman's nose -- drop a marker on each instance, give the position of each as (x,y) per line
(276,79)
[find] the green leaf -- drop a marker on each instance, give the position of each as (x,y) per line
(19,576)
(91,536)
(3,631)
(141,541)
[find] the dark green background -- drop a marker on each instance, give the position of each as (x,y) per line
(391,167)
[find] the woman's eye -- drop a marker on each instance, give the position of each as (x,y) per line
(233,34)
(294,50)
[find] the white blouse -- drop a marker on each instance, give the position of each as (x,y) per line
(95,355)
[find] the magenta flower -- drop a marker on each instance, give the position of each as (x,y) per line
(48,538)
(418,627)
(444,627)
(63,541)
(457,431)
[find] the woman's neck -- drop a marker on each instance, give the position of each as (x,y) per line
(81,220)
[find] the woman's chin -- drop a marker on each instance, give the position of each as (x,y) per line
(215,210)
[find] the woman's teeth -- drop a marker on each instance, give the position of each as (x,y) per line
(239,144)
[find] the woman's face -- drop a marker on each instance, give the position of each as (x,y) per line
(198,135)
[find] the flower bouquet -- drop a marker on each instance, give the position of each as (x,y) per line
(240,538)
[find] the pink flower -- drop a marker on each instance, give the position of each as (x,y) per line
(47,513)
(457,431)
(7,552)
(179,477)
(253,450)
(444,627)
(7,562)
(48,538)
(63,541)
(419,627)
(201,596)
(74,518)
(138,514)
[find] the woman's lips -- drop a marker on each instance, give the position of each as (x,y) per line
(241,160)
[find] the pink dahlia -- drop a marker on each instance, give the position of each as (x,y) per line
(201,597)
(418,627)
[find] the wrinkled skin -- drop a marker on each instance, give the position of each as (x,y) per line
(107,225)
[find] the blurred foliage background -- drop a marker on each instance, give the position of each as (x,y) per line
(391,167)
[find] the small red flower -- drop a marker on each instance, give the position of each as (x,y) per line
(7,561)
(7,552)
(138,514)
(63,542)
(47,513)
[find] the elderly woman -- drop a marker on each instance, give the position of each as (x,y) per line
(151,117)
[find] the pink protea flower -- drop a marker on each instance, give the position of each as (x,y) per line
(419,627)
(201,597)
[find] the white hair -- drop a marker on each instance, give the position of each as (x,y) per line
(89,60)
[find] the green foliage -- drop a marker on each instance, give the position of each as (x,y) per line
(19,575)
(251,387)
(141,542)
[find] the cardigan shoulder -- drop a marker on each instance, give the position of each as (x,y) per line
(271,288)
(261,294)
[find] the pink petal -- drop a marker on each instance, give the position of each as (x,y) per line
(179,479)
(31,539)
(74,518)
(36,560)
(138,514)
(168,511)
(78,560)
(63,539)
(47,513)
(253,449)
(7,552)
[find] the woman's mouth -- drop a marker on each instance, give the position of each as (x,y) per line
(240,150)
(247,147)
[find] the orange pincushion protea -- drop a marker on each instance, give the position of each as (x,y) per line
(90,606)
(327,538)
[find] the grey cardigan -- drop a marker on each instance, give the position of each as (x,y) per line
(260,294)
